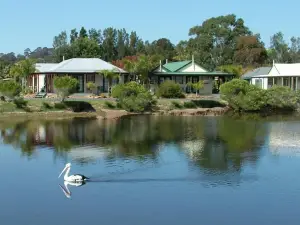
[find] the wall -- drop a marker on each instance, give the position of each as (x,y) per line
(263,82)
(41,82)
(190,68)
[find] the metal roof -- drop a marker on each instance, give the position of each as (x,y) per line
(43,67)
(175,66)
(192,74)
(257,72)
(82,65)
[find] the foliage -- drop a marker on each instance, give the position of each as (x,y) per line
(196,86)
(217,41)
(189,105)
(10,89)
(91,86)
(170,89)
(20,103)
(133,97)
(177,105)
(109,105)
(110,75)
(23,69)
(282,97)
(59,105)
(46,105)
(65,86)
(242,96)
(236,70)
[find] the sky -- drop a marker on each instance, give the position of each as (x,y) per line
(34,23)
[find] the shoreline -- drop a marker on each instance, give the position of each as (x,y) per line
(107,114)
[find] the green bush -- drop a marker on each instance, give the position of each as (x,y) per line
(204,103)
(242,96)
(177,105)
(10,89)
(170,89)
(20,103)
(46,105)
(282,98)
(190,105)
(65,86)
(133,97)
(59,105)
(109,105)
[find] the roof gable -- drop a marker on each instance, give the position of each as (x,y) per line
(287,68)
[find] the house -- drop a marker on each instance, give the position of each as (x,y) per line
(281,74)
(83,69)
(184,72)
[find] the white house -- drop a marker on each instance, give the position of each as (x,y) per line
(83,69)
(281,74)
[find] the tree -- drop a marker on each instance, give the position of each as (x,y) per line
(85,48)
(10,89)
(250,51)
(23,69)
(110,75)
(214,42)
(91,86)
(65,86)
(279,50)
(236,70)
(82,33)
(196,86)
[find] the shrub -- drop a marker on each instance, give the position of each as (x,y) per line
(282,98)
(46,105)
(59,105)
(91,86)
(109,105)
(65,86)
(177,105)
(20,103)
(243,96)
(133,97)
(189,105)
(10,89)
(170,89)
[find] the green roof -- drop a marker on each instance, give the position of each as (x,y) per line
(175,66)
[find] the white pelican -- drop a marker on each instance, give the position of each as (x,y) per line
(66,190)
(73,178)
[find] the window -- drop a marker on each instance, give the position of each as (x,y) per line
(90,78)
(179,79)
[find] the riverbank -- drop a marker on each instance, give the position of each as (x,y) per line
(107,109)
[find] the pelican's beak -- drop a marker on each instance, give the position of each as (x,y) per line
(62,172)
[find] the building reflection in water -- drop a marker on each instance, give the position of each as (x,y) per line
(210,143)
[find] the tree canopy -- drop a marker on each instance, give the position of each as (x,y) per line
(215,42)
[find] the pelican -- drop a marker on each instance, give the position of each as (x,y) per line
(73,178)
(66,190)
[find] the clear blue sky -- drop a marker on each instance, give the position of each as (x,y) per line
(34,23)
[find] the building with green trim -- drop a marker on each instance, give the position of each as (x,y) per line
(183,72)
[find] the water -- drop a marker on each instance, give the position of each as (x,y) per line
(151,170)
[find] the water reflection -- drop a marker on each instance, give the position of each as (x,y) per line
(215,144)
(66,190)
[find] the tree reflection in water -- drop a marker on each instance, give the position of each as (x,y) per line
(214,144)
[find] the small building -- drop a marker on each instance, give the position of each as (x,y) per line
(184,72)
(83,69)
(281,74)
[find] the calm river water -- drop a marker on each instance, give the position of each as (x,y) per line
(151,170)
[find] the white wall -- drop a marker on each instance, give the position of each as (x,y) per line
(191,68)
(41,82)
(263,81)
